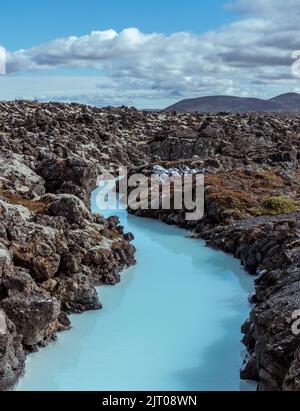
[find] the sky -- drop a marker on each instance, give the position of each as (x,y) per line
(148,54)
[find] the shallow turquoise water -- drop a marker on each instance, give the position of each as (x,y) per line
(172,324)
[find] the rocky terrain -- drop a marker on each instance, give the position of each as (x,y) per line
(53,251)
(254,215)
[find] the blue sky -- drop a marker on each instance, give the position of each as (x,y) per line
(27,23)
(148,54)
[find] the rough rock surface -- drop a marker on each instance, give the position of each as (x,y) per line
(268,245)
(271,249)
(12,353)
(53,251)
(50,263)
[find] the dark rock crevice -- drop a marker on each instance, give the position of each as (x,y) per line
(53,251)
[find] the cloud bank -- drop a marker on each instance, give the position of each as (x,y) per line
(252,56)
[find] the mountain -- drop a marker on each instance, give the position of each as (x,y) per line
(212,104)
(291,101)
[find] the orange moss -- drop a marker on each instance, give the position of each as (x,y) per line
(232,199)
(35,206)
(261,193)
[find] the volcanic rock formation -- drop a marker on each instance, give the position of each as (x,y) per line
(53,251)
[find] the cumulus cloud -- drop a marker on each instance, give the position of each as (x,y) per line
(235,59)
(2,60)
(93,50)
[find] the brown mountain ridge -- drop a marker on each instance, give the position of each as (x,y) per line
(289,102)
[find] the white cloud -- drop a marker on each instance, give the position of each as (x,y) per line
(2,60)
(99,49)
(251,56)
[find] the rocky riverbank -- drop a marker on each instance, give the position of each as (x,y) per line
(254,216)
(53,251)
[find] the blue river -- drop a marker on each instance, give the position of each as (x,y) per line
(173,323)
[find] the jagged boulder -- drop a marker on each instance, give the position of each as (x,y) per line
(12,356)
(70,207)
(35,315)
(68,175)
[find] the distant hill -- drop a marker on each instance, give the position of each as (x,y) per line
(290,101)
(212,104)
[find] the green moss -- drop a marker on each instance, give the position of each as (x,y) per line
(275,205)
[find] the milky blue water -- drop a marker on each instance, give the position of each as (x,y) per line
(172,324)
